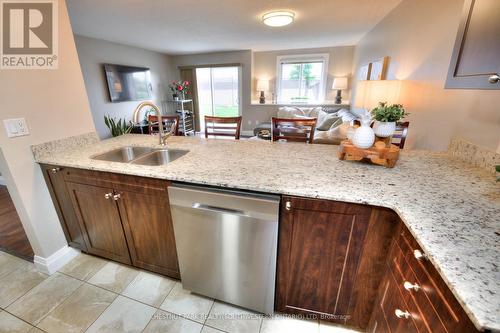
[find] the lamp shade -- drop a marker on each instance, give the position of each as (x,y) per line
(262,85)
(370,93)
(339,83)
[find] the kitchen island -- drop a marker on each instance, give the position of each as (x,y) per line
(451,208)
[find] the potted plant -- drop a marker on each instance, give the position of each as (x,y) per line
(386,116)
(179,87)
(119,127)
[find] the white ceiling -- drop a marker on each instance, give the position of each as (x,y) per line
(195,26)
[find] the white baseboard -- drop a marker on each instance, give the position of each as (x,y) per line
(57,260)
(2,181)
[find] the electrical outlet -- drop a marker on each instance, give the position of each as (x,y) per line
(16,127)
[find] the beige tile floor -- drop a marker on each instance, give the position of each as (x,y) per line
(91,294)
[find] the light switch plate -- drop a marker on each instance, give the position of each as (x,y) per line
(16,127)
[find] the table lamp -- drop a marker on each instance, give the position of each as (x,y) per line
(339,84)
(262,85)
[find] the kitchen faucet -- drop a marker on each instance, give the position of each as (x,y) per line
(161,132)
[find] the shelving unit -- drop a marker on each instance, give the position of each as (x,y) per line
(186,115)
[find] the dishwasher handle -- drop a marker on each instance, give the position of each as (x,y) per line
(216,209)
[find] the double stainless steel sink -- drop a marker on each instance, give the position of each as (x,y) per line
(141,155)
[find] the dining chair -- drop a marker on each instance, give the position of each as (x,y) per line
(293,129)
(170,123)
(223,126)
(400,134)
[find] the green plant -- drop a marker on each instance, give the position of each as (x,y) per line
(389,113)
(497,168)
(119,127)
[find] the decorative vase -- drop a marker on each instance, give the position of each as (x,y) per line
(384,129)
(364,136)
(175,97)
(350,133)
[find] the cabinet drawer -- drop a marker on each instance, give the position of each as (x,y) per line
(392,301)
(437,304)
(425,317)
(117,181)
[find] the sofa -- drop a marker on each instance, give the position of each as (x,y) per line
(331,126)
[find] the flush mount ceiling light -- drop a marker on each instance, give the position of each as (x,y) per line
(278,18)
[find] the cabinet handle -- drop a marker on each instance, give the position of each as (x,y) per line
(117,196)
(288,205)
(411,286)
(494,78)
(402,314)
(55,170)
(419,255)
(108,195)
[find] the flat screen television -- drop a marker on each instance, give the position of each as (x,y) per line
(128,83)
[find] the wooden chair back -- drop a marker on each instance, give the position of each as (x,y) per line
(293,129)
(400,134)
(223,126)
(170,123)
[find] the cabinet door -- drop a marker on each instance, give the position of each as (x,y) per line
(476,55)
(99,220)
(320,245)
(149,230)
(57,188)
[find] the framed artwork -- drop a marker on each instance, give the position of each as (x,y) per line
(378,69)
(364,72)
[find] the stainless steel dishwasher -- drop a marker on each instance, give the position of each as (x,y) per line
(226,243)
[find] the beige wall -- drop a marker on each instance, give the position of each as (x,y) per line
(93,53)
(55,106)
(263,65)
(418,36)
(339,64)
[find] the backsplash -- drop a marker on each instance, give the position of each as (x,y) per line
(64,144)
(473,154)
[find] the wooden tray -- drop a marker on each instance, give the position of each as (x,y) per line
(386,156)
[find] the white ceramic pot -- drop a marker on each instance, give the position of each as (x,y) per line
(364,136)
(384,129)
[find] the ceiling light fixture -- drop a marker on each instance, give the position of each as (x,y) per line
(278,18)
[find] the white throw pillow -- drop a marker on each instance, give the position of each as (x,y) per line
(289,112)
(339,132)
(292,111)
(347,116)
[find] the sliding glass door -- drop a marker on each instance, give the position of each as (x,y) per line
(218,92)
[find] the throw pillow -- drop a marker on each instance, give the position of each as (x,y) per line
(327,122)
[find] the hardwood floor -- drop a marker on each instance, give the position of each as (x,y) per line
(12,236)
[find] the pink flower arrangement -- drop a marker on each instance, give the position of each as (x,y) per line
(179,87)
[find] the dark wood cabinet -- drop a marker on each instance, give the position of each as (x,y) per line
(412,285)
(475,62)
(100,221)
(119,217)
(149,230)
(60,197)
(329,258)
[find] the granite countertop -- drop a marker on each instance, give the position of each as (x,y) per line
(451,208)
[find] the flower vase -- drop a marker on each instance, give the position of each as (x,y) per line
(364,137)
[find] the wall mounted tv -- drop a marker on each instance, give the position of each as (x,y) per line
(127,83)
